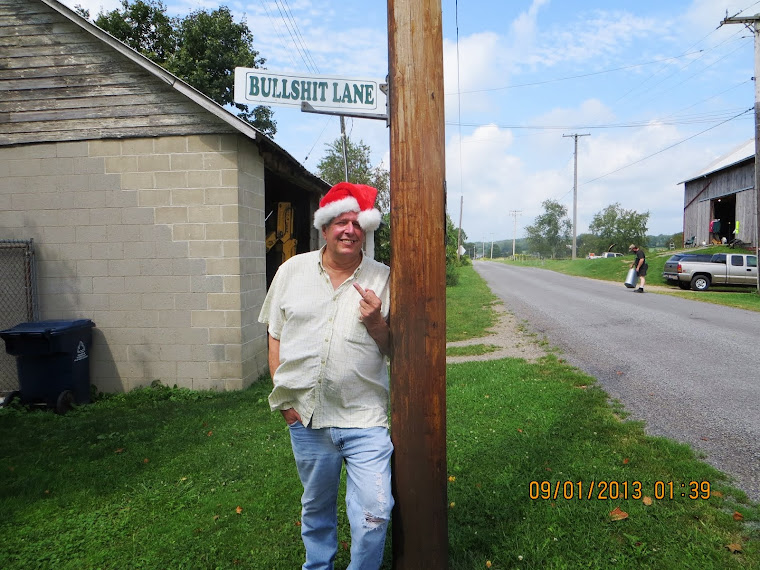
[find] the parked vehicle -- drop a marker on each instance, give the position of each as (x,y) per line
(606,254)
(670,270)
(699,271)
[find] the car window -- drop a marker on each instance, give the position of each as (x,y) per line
(737,261)
(751,261)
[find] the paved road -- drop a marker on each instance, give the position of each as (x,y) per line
(689,369)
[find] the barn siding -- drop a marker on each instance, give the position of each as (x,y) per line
(61,83)
(738,179)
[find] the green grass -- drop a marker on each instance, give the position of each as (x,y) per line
(615,269)
(513,423)
(471,350)
(154,479)
(468,306)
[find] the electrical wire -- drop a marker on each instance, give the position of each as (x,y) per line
(684,120)
(667,147)
(276,28)
(570,77)
(299,36)
(302,51)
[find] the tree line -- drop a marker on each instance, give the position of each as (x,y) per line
(550,235)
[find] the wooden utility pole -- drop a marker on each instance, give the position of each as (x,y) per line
(514,213)
(575,192)
(418,284)
(753,22)
(459,231)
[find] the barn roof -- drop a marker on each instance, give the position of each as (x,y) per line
(741,153)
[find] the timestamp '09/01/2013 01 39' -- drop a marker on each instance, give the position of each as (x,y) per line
(615,490)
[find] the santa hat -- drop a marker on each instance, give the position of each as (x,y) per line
(347,197)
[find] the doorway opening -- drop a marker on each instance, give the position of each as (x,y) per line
(723,220)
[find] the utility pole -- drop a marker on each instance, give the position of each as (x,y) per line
(514,213)
(575,191)
(418,284)
(459,233)
(345,151)
(753,23)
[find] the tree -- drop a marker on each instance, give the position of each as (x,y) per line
(203,49)
(550,232)
(619,227)
(143,26)
(360,170)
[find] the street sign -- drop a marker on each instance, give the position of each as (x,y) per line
(317,93)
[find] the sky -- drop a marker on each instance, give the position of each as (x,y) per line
(661,89)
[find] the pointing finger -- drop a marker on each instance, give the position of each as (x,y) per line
(361,291)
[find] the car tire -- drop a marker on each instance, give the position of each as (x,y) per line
(700,283)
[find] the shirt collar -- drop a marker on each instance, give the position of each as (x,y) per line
(357,271)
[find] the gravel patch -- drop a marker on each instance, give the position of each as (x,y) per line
(513,342)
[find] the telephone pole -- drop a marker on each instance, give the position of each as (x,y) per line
(575,191)
(459,232)
(514,213)
(418,284)
(753,23)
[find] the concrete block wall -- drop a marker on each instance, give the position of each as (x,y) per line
(154,239)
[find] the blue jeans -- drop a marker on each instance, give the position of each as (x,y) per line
(319,455)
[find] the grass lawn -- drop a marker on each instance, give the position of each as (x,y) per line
(168,478)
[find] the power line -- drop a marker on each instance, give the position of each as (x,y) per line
(690,76)
(302,50)
(277,29)
(701,53)
(668,147)
(581,76)
(299,36)
(684,120)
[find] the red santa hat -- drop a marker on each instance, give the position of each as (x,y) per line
(348,197)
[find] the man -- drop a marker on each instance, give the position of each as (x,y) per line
(327,315)
(640,263)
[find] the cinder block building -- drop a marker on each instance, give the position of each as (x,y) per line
(147,203)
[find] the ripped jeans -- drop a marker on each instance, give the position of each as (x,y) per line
(319,455)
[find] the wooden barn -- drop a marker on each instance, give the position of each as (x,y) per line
(720,202)
(153,211)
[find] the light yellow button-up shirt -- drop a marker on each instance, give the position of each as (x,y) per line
(331,371)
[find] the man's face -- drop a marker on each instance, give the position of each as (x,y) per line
(344,235)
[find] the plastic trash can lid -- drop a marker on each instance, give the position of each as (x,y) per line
(48,327)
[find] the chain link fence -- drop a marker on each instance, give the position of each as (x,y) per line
(18,299)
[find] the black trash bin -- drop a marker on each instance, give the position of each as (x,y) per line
(53,361)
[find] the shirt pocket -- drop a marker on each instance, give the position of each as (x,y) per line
(357,333)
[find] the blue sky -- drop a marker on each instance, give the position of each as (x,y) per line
(660,87)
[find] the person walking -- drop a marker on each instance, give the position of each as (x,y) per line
(327,315)
(640,264)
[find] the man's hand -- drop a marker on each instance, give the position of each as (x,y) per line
(369,306)
(291,416)
(371,315)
